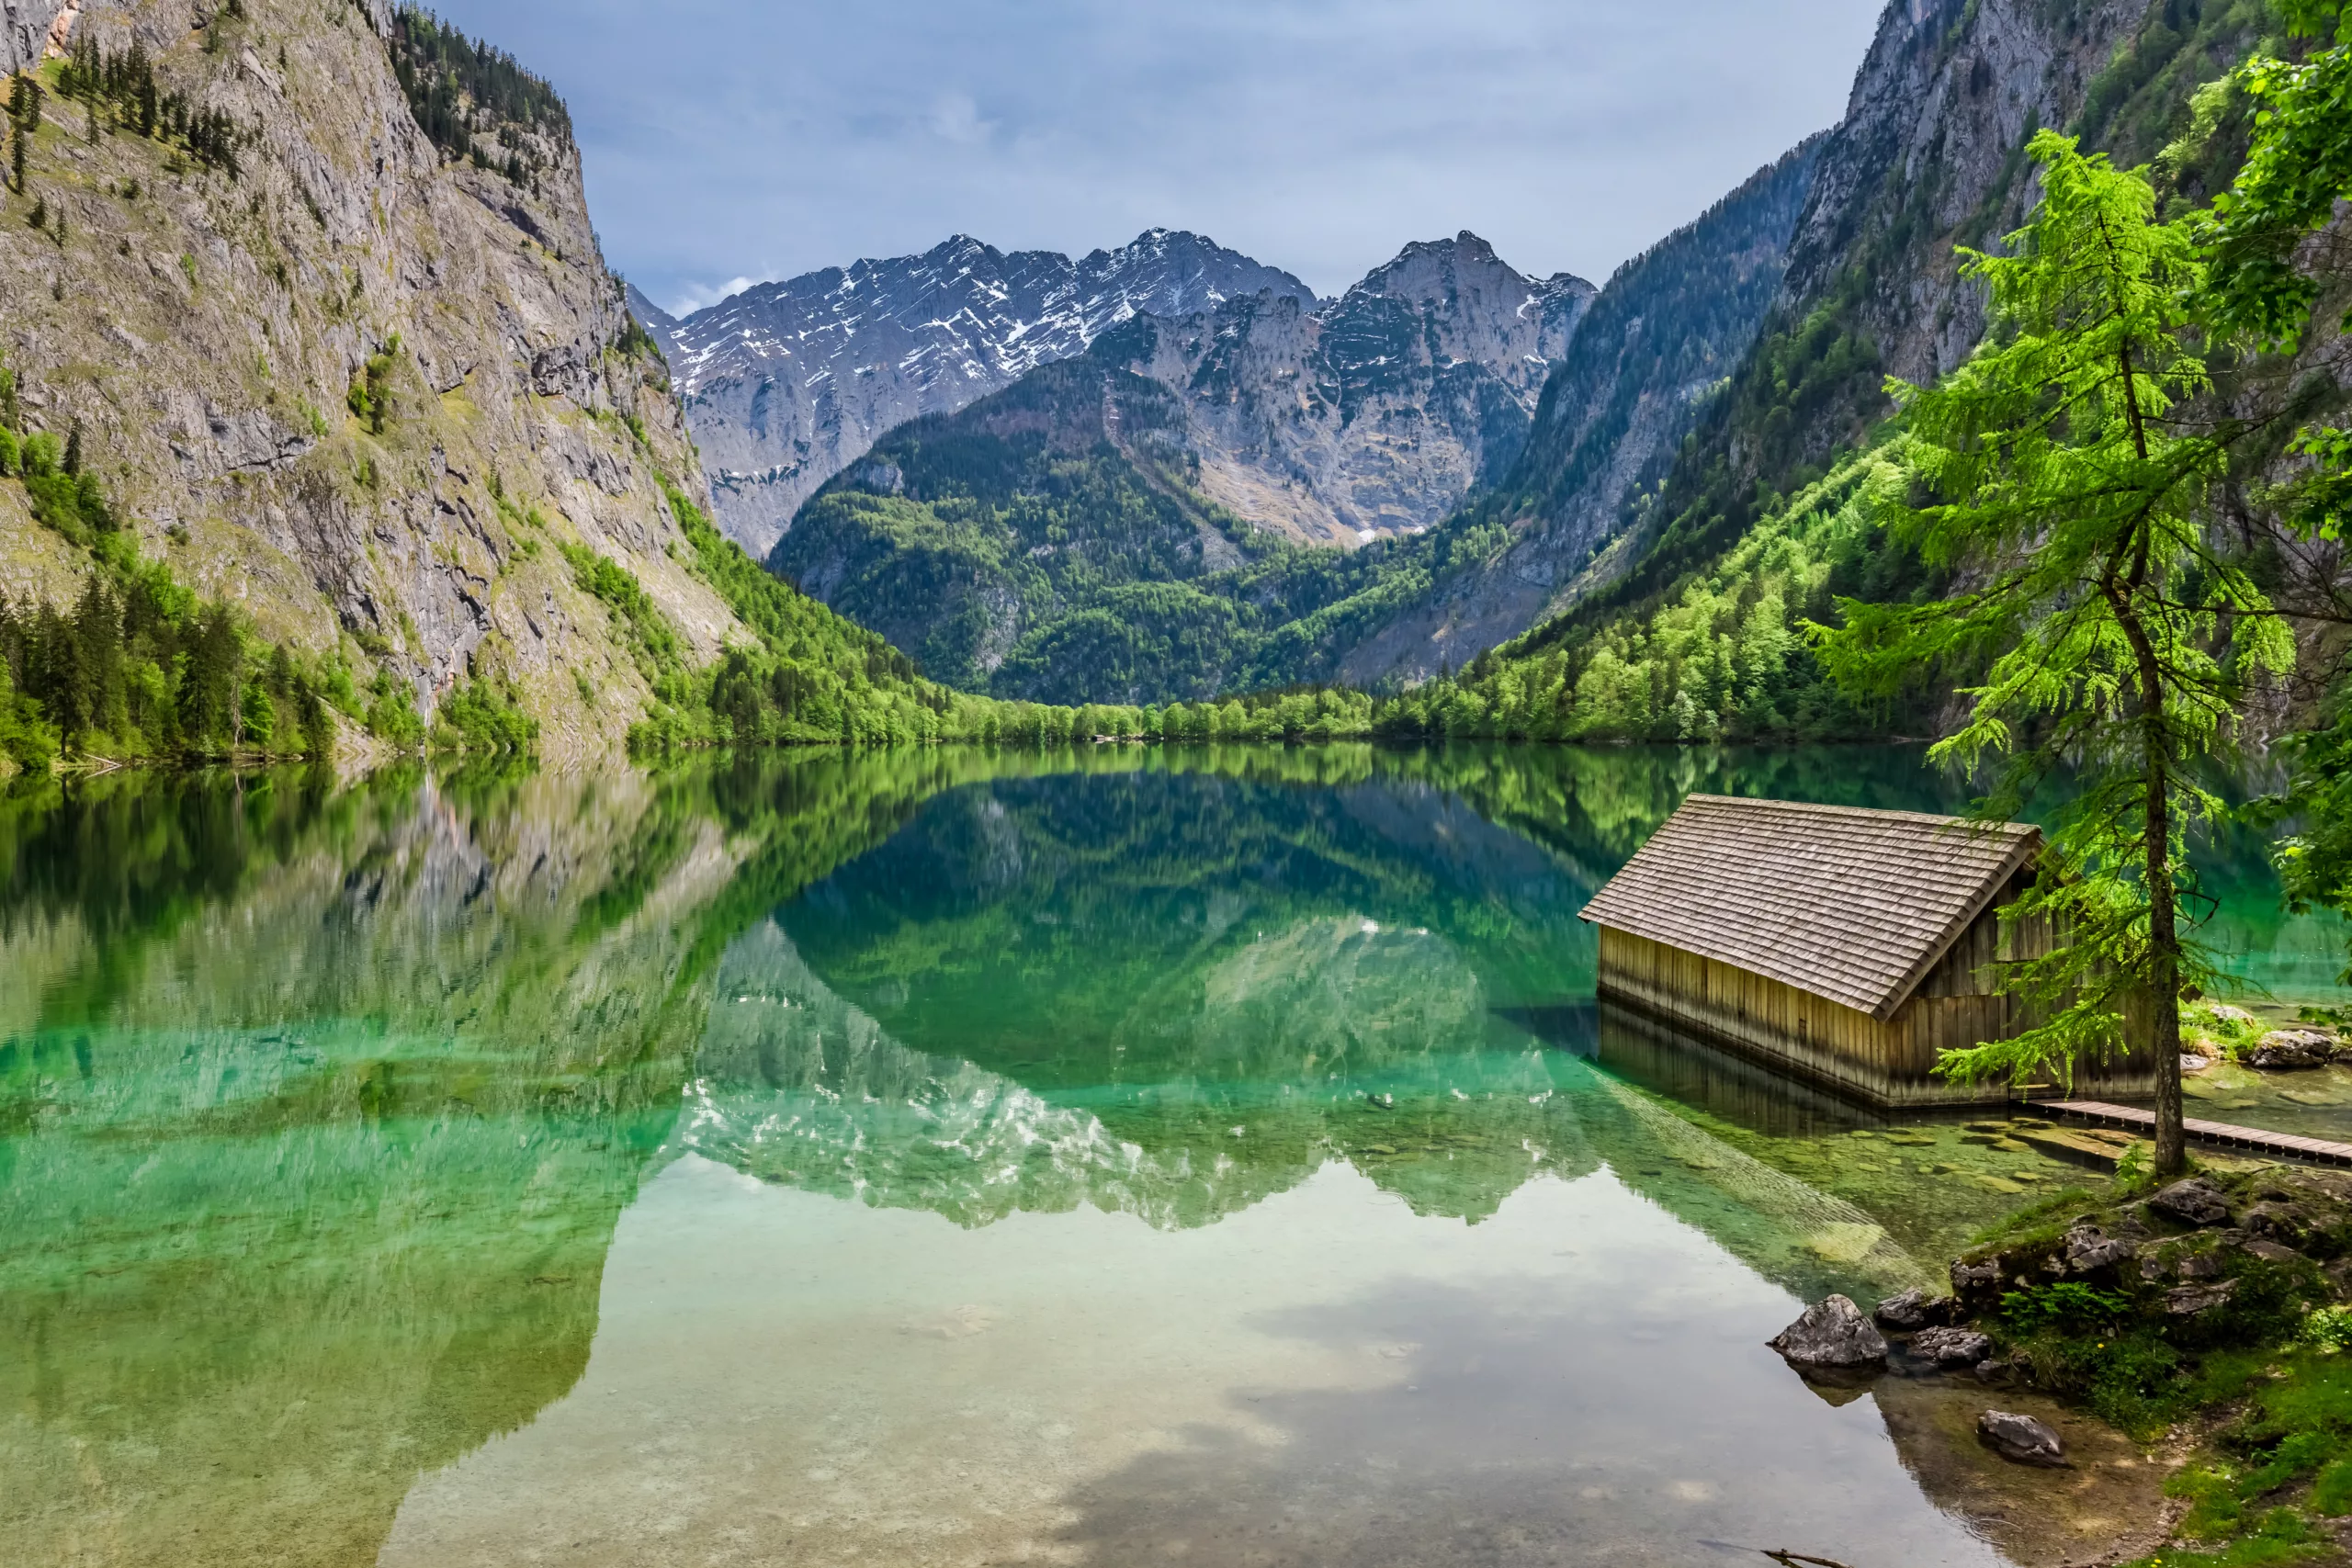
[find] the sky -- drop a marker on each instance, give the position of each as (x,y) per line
(728,141)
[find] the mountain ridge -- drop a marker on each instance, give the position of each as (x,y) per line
(782,393)
(788,383)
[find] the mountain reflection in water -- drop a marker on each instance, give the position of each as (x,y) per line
(320,1110)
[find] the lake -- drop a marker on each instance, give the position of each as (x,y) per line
(1122,1156)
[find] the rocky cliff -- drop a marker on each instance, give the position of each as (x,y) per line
(787,383)
(1660,339)
(25,28)
(364,388)
(1377,412)
(1930,155)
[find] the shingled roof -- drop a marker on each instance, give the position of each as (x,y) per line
(1854,905)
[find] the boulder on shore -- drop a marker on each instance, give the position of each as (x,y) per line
(1952,1347)
(2090,1250)
(1831,1336)
(1976,1284)
(2285,1048)
(1912,1311)
(2195,1201)
(2020,1439)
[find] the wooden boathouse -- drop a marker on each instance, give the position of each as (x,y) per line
(1846,946)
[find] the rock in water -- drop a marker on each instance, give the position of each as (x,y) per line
(1831,1335)
(2195,1201)
(2020,1438)
(1912,1311)
(1952,1346)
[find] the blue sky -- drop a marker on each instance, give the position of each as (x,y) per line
(729,141)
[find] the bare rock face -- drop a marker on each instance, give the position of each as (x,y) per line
(2194,1201)
(1374,413)
(207,334)
(25,28)
(1831,1336)
(2020,1439)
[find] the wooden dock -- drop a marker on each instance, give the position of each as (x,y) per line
(2285,1145)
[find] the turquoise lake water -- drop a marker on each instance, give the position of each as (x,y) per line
(1116,1157)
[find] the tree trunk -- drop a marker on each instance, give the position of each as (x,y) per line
(2164,956)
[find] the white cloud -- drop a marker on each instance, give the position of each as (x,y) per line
(691,297)
(955,117)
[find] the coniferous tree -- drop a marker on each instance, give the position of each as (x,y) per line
(2058,463)
(207,696)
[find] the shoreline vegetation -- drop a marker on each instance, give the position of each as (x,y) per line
(2206,1319)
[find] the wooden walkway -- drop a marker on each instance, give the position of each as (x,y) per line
(2287,1145)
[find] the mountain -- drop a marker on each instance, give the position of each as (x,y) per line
(1766,516)
(336,372)
(787,383)
(1663,335)
(1930,155)
(1138,523)
(1443,376)
(320,413)
(1377,412)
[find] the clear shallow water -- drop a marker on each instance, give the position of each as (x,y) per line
(1213,1158)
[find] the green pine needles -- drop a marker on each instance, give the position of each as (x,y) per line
(2062,466)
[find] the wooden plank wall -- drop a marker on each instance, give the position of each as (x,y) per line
(1957,1004)
(1816,1038)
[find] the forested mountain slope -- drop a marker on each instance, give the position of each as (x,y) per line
(787,383)
(1047,542)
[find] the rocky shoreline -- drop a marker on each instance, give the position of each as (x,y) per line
(2204,1319)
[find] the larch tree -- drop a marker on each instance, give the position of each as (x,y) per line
(2058,475)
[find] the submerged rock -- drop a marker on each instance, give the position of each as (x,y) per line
(1912,1311)
(1831,1335)
(2194,1201)
(1952,1347)
(2020,1438)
